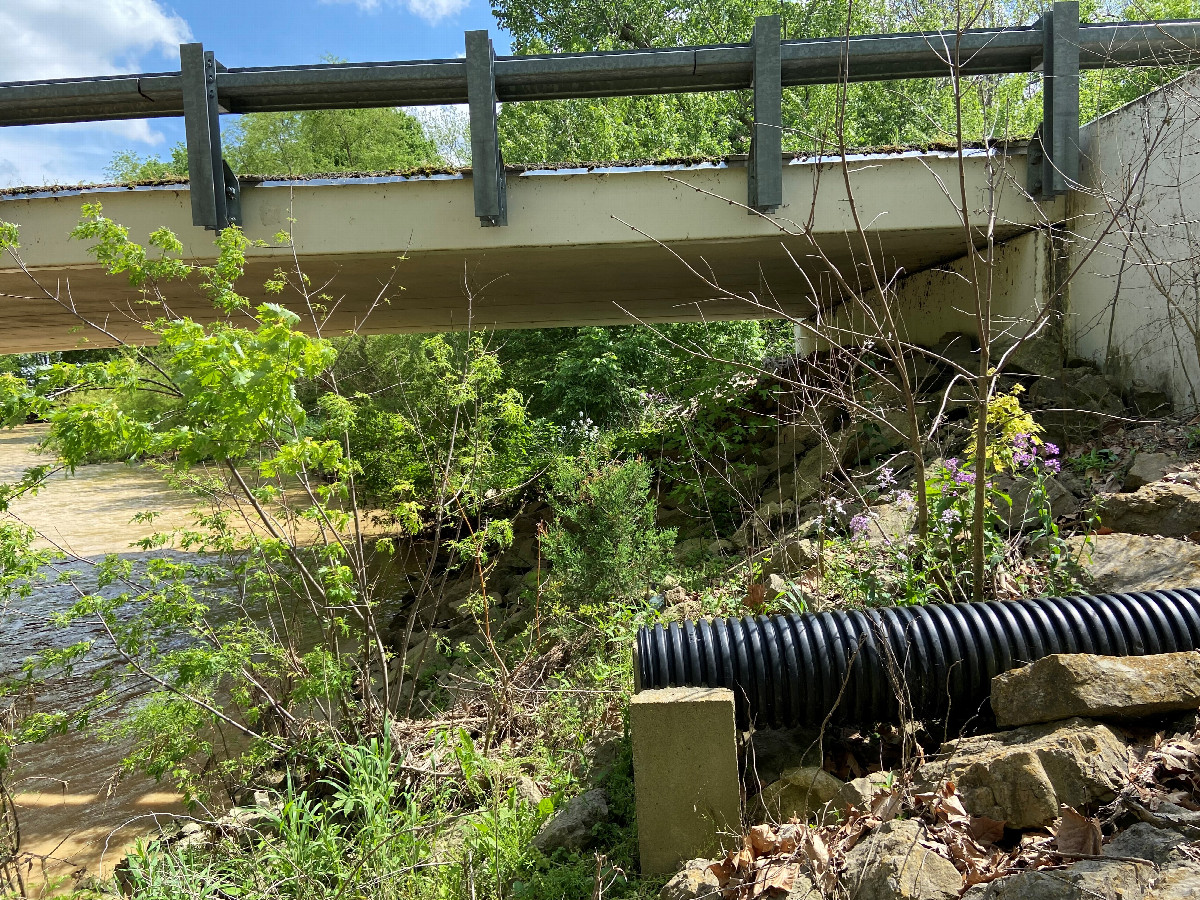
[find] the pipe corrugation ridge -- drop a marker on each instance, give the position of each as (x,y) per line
(940,658)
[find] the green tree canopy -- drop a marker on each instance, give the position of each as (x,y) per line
(879,113)
(296,143)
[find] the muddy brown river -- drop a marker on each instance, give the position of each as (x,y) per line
(74,817)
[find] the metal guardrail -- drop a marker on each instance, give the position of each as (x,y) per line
(1057,45)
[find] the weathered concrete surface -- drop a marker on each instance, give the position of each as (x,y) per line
(1023,776)
(581,247)
(1129,304)
(1082,684)
(685,773)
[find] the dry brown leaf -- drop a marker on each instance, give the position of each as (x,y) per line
(774,878)
(756,597)
(815,849)
(789,837)
(985,830)
(763,839)
(722,870)
(887,806)
(1077,834)
(855,829)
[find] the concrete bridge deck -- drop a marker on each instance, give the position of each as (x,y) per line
(583,247)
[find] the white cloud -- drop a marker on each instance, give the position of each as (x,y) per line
(432,11)
(69,154)
(41,39)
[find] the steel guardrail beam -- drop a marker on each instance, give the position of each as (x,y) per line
(1057,44)
(584,75)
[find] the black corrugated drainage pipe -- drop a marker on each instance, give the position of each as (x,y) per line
(795,669)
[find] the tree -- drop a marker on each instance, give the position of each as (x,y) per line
(329,140)
(299,143)
(875,114)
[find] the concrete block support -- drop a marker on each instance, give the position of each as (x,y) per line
(685,774)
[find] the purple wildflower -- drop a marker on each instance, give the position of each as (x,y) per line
(1023,458)
(859,525)
(1050,449)
(886,479)
(1053,465)
(950,516)
(963,477)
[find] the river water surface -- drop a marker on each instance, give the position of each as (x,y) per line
(73,817)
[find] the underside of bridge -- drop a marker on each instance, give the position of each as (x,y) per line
(599,246)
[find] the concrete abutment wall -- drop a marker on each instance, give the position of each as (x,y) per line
(1114,272)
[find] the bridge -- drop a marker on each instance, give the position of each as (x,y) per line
(610,245)
(742,237)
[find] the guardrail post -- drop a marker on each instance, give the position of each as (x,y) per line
(1060,98)
(765,176)
(216,198)
(487,166)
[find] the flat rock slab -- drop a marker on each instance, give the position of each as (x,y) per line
(1148,468)
(1081,684)
(1119,563)
(1171,509)
(1088,880)
(1023,776)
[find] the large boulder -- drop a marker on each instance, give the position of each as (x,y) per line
(1041,354)
(1023,511)
(1148,468)
(1091,879)
(1023,776)
(1168,508)
(891,864)
(804,481)
(1138,562)
(572,827)
(1144,841)
(1076,405)
(1081,684)
(890,522)
(800,793)
(693,882)
(1179,882)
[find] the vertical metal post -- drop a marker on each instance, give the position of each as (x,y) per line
(1060,98)
(765,177)
(216,202)
(487,167)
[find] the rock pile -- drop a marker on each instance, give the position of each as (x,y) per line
(1064,807)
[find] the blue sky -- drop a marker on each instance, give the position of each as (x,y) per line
(68,38)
